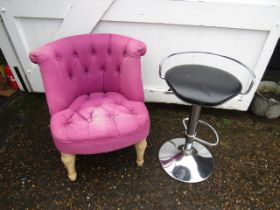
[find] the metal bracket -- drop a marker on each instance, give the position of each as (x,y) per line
(169,92)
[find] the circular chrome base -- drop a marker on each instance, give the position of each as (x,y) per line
(191,167)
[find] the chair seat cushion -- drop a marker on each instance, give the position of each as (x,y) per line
(99,122)
(202,85)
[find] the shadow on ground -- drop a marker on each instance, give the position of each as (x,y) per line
(246,175)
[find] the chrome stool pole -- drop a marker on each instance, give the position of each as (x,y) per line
(191,128)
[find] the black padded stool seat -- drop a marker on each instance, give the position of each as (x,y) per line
(202,85)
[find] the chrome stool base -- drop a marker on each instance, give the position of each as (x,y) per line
(191,167)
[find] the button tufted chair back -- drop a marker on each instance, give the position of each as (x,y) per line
(84,64)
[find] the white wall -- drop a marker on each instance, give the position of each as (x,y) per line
(246,30)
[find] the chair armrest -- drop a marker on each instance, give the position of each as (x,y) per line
(135,48)
(60,93)
(131,84)
(41,54)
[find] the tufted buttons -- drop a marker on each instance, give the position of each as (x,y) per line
(70,76)
(102,68)
(124,53)
(86,69)
(75,54)
(109,51)
(93,52)
(58,58)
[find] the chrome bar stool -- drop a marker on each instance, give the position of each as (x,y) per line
(187,159)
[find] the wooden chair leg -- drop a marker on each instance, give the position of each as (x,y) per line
(140,148)
(69,163)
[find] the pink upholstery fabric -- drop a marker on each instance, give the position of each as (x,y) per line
(94,92)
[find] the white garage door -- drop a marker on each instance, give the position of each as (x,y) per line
(247,31)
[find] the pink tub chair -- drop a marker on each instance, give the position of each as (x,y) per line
(95,95)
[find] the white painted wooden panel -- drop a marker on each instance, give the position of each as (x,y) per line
(37,31)
(262,2)
(243,29)
(203,13)
(83,16)
(37,8)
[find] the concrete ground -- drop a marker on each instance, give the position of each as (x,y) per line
(246,175)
